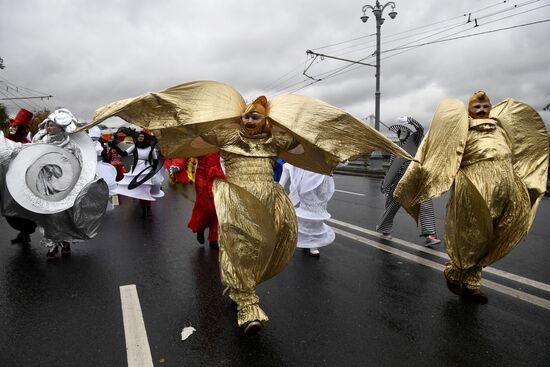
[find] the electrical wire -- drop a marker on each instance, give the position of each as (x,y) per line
(12,97)
(473,34)
(425,44)
(24,95)
(341,70)
(444,29)
(387,38)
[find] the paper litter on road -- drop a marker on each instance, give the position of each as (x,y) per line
(188,330)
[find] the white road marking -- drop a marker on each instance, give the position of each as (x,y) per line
(351,193)
(137,345)
(501,273)
(435,265)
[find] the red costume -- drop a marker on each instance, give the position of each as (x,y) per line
(181,164)
(19,127)
(204,212)
(111,156)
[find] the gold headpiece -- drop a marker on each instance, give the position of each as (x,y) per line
(259,105)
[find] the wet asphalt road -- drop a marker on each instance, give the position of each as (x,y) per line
(354,306)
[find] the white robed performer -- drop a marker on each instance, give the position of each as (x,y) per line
(104,170)
(145,179)
(310,193)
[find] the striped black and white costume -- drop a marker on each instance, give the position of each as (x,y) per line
(410,134)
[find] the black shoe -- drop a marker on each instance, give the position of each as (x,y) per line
(200,237)
(26,239)
(453,286)
(475,295)
(252,328)
(213,244)
(52,251)
(21,238)
(65,248)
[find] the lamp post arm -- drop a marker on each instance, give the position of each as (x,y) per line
(365,7)
(391,3)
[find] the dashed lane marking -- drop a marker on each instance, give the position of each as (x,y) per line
(435,265)
(351,193)
(137,345)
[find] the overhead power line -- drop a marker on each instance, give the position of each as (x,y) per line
(309,52)
(23,96)
(35,97)
(349,68)
(291,81)
(409,32)
(469,35)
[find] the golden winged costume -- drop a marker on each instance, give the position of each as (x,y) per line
(257,222)
(496,168)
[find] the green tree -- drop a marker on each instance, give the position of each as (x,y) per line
(4,118)
(38,117)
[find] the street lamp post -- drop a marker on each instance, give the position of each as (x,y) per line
(375,161)
(378,10)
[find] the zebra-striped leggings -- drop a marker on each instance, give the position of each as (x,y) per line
(426,216)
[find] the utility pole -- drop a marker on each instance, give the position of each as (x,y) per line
(375,160)
(378,10)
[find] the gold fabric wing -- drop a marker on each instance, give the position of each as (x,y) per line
(438,157)
(180,114)
(529,146)
(327,134)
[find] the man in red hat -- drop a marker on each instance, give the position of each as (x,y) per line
(19,129)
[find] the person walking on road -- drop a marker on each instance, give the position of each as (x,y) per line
(204,212)
(257,222)
(144,180)
(18,131)
(310,193)
(494,159)
(53,183)
(410,134)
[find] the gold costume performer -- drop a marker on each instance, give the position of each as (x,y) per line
(257,222)
(495,161)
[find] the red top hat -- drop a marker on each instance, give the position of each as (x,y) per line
(23,117)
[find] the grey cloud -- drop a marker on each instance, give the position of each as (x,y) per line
(88,54)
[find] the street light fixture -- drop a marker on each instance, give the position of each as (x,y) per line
(378,10)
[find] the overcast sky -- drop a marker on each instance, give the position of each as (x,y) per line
(90,53)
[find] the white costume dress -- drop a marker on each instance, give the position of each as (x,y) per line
(149,190)
(104,170)
(310,193)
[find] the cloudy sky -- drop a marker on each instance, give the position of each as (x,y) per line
(90,53)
